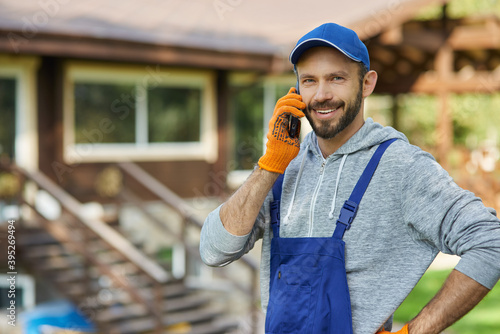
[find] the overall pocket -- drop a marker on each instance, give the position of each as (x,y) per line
(293,299)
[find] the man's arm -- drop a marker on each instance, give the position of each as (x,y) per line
(438,211)
(228,231)
(238,214)
(458,296)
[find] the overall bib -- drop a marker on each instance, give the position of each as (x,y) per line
(308,290)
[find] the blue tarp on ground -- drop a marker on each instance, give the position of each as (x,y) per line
(61,314)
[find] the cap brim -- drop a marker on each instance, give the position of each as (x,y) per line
(314,42)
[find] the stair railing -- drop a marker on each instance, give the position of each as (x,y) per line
(154,272)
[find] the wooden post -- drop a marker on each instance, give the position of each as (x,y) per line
(219,168)
(444,69)
(395,112)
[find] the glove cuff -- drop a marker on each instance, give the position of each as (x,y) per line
(277,161)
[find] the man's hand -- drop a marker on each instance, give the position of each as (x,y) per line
(280,147)
(403,330)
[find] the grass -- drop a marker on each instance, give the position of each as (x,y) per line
(484,318)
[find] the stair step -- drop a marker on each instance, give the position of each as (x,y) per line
(145,324)
(31,237)
(57,263)
(171,290)
(40,251)
(77,290)
(115,313)
(222,325)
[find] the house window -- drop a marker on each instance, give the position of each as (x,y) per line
(94,104)
(117,114)
(7,116)
(247,108)
(251,104)
(174,115)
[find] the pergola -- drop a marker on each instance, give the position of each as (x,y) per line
(438,57)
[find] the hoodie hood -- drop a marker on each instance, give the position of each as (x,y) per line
(369,135)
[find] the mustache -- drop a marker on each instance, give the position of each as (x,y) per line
(325,105)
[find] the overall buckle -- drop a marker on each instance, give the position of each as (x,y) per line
(275,212)
(347,213)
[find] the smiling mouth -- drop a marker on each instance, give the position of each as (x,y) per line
(326,111)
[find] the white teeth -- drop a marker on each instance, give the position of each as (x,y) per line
(325,111)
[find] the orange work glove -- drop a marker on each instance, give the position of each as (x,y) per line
(403,330)
(280,147)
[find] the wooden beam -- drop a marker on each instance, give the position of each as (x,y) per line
(428,83)
(483,35)
(429,41)
(486,36)
(480,82)
(114,50)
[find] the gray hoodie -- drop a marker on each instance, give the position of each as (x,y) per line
(411,210)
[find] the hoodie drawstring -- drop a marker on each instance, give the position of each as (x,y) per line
(295,187)
(344,157)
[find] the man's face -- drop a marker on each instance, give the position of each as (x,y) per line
(330,87)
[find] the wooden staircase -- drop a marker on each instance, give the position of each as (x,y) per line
(111,281)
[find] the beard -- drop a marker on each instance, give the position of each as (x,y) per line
(328,130)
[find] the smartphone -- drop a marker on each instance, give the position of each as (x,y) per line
(293,122)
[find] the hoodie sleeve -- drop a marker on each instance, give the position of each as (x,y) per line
(218,247)
(440,213)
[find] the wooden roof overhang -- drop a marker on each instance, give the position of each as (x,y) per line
(108,49)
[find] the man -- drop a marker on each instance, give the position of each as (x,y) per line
(408,210)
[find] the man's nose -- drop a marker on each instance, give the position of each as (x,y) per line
(323,93)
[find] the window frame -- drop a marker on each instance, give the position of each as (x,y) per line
(142,150)
(23,70)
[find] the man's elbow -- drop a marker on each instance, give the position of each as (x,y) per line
(213,261)
(210,256)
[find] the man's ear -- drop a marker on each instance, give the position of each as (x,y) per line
(369,83)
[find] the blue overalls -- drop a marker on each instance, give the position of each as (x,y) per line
(308,290)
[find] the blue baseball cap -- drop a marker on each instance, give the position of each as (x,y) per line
(333,35)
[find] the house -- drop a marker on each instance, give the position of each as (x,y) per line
(170,100)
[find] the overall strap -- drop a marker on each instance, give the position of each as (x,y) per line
(275,205)
(350,208)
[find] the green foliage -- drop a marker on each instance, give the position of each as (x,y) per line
(418,118)
(475,118)
(461,8)
(481,320)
